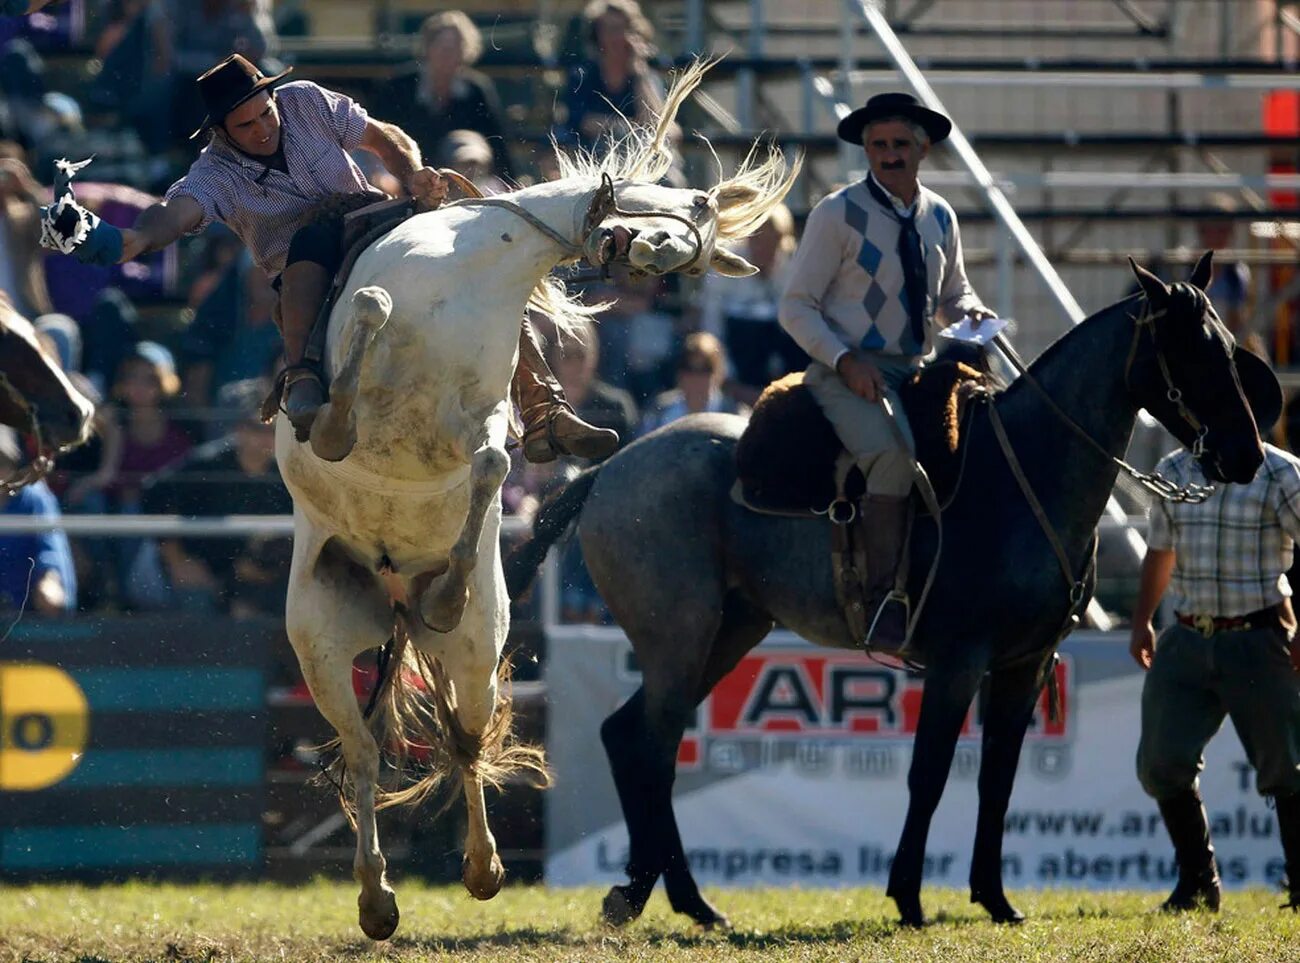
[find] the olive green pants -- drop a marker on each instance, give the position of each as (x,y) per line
(863,426)
(1194,682)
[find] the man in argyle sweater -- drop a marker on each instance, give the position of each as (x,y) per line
(878,271)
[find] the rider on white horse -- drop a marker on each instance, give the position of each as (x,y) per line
(272,158)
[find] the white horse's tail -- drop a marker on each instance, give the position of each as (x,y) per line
(335,430)
(415,715)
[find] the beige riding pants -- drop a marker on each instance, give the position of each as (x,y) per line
(863,426)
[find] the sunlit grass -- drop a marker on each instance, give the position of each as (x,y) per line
(147,922)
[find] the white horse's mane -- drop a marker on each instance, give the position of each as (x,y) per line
(640,154)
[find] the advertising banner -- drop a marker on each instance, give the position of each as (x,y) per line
(795,772)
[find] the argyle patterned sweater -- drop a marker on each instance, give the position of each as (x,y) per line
(845,287)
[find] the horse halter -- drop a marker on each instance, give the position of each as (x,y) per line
(39,466)
(605,203)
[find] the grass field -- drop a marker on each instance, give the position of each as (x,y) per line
(144,922)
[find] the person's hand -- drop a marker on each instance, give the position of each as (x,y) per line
(103,244)
(48,595)
(979,314)
(16,180)
(1142,645)
(862,377)
(428,188)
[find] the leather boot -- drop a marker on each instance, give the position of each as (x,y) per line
(887,518)
(304,286)
(551,427)
(1288,827)
(1198,876)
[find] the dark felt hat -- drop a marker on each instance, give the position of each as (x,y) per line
(935,124)
(229,84)
(1260,386)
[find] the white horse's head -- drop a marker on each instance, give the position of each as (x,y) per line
(659,229)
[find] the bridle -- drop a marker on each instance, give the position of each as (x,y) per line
(40,465)
(603,204)
(1190,493)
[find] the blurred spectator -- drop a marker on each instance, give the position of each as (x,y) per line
(151,441)
(467,152)
(701,369)
(205,32)
(600,404)
(637,338)
(22,81)
(135,81)
(22,269)
(617,82)
(221,246)
(1229,289)
(742,311)
(233,336)
(60,335)
(246,575)
(440,94)
(36,572)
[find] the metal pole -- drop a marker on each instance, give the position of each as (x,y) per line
(971,161)
(847,60)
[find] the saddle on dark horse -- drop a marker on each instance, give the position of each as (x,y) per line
(789,461)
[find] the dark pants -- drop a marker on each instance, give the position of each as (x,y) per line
(761,352)
(1194,682)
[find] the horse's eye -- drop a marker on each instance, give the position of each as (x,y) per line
(702,200)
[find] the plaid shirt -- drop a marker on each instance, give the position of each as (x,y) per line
(1233,550)
(265,206)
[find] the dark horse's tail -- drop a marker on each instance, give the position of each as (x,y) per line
(553,519)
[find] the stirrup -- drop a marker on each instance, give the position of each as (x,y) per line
(273,404)
(894,595)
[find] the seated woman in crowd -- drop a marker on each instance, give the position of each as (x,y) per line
(742,311)
(618,82)
(701,370)
(441,93)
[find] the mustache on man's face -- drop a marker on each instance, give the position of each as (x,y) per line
(893,165)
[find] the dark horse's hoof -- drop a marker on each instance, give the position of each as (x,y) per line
(1000,910)
(620,906)
(701,911)
(909,910)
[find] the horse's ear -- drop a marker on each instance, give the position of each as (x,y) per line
(1203,271)
(1155,289)
(730,264)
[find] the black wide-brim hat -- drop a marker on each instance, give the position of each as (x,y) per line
(229,84)
(936,126)
(1260,386)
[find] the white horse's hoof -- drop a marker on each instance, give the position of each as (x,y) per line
(331,440)
(379,916)
(483,885)
(443,606)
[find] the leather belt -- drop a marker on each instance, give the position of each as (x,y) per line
(1209,625)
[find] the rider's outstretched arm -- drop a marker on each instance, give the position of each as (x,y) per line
(161,224)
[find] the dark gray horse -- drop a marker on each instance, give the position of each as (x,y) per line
(696,581)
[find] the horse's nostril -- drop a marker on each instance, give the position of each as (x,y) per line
(657,238)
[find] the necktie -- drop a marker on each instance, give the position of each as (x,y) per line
(915,281)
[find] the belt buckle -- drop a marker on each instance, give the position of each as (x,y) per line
(1204,624)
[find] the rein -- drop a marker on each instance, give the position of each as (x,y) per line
(1156,484)
(39,466)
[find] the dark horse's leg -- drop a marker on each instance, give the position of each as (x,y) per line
(949,688)
(641,739)
(1012,694)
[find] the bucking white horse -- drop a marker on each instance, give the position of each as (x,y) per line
(400,539)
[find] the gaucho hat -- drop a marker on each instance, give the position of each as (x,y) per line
(1260,386)
(935,124)
(229,84)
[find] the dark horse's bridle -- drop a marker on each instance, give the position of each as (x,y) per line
(40,465)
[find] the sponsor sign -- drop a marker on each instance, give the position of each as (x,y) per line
(795,771)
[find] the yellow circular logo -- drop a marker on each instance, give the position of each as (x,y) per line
(44,722)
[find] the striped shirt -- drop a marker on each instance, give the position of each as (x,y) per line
(1233,550)
(846,282)
(264,206)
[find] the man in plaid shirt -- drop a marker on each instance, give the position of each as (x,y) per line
(1230,651)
